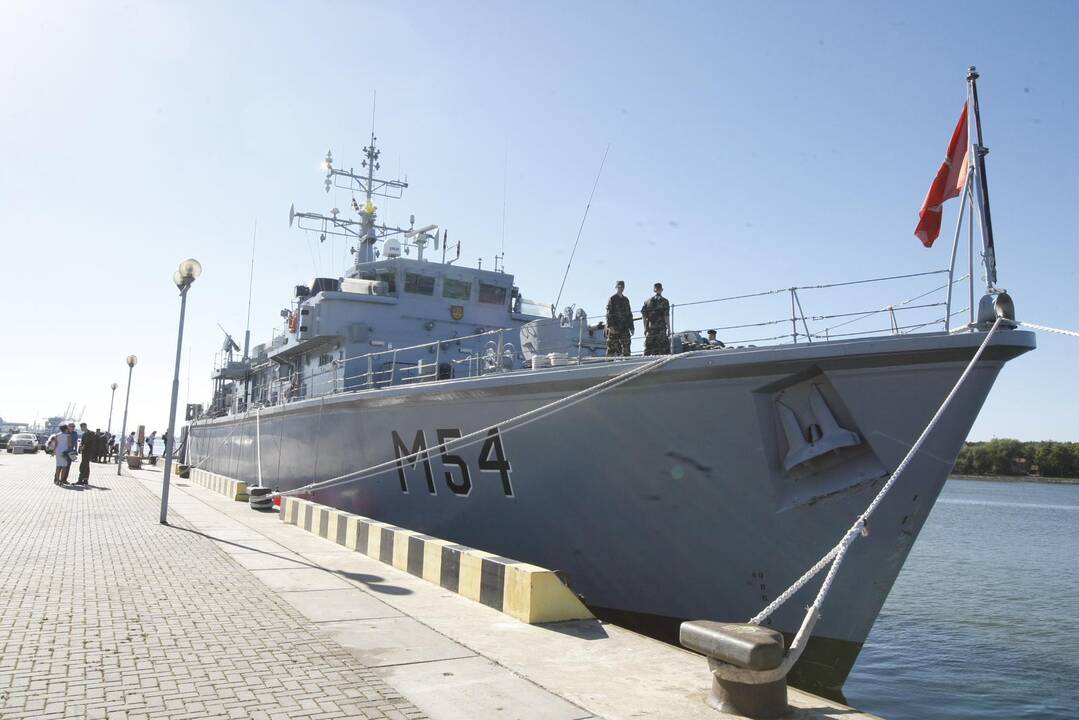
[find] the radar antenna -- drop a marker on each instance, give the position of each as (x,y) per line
(367,230)
(229,345)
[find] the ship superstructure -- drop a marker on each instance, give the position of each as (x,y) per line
(377,324)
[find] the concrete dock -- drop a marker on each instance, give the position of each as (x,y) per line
(228,612)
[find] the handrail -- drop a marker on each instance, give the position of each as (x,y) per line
(389,367)
(823,286)
(337,362)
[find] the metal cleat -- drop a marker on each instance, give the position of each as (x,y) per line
(741,651)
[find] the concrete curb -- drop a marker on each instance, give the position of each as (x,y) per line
(526,592)
(235,489)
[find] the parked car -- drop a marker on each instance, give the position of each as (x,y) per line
(4,437)
(23,442)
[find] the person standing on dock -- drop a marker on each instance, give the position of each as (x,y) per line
(99,446)
(150,442)
(87,450)
(656,315)
(61,446)
(619,322)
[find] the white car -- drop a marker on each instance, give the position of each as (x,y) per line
(23,442)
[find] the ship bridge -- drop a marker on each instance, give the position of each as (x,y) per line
(396,302)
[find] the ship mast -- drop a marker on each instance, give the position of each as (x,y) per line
(981,186)
(367,230)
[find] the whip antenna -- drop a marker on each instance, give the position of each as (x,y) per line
(505,183)
(250,287)
(581,228)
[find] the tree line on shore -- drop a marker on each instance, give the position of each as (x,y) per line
(1005,456)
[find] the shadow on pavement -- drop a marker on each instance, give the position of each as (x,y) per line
(583,629)
(372,582)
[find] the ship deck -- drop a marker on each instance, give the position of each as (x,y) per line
(846,353)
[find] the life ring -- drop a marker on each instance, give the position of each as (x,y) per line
(293,322)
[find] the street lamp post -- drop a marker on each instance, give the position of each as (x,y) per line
(131,360)
(112,400)
(183,277)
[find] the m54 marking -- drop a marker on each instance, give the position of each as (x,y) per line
(492,459)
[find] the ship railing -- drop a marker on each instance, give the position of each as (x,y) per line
(398,366)
(800,321)
(896,318)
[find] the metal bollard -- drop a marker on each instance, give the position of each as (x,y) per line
(745,650)
(260,498)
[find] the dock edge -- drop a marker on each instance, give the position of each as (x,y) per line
(529,593)
(234,489)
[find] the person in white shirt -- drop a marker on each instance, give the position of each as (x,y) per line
(62,445)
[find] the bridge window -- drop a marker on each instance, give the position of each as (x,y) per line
(419,284)
(492,294)
(456,289)
(390,278)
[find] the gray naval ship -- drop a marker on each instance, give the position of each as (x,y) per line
(696,487)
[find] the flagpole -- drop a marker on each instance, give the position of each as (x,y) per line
(955,249)
(980,151)
(970,261)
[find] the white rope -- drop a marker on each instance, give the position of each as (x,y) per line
(478,436)
(258,446)
(838,553)
(1032,326)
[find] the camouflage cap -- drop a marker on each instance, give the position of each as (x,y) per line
(620,283)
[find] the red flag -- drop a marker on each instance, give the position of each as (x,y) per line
(948,183)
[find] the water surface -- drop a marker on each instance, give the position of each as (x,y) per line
(983,621)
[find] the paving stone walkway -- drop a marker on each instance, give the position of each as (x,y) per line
(104,613)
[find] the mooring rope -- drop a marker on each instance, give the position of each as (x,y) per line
(836,555)
(478,436)
(1046,328)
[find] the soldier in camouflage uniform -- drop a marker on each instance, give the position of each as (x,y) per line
(656,314)
(619,322)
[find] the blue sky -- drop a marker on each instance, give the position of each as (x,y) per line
(753,146)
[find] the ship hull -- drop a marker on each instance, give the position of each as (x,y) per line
(670,497)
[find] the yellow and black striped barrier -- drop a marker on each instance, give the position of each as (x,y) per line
(235,489)
(527,592)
